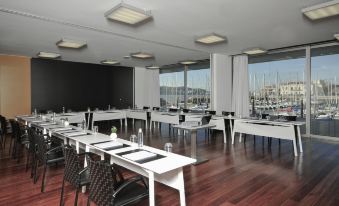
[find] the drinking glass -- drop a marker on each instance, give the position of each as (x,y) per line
(133,138)
(95,129)
(168,147)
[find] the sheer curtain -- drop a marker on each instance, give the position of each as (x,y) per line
(147,87)
(240,100)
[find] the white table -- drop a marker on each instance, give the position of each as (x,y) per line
(137,114)
(164,117)
(110,115)
(193,131)
(275,129)
(167,170)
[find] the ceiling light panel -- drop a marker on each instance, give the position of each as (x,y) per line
(48,55)
(69,43)
(211,39)
(109,62)
(323,10)
(255,51)
(187,62)
(153,67)
(142,55)
(336,36)
(128,14)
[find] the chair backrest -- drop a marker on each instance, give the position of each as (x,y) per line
(3,123)
(42,147)
(145,107)
(104,182)
(225,113)
(89,120)
(210,112)
(31,139)
(156,108)
(72,166)
(14,128)
(173,110)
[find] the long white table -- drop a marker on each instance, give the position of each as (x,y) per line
(137,114)
(282,130)
(167,170)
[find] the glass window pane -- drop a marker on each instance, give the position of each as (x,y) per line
(172,87)
(324,91)
(277,85)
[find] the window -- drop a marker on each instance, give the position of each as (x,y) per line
(325,91)
(277,83)
(172,86)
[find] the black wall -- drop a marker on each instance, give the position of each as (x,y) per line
(79,85)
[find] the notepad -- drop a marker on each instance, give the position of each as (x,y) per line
(137,156)
(75,134)
(47,124)
(111,144)
(38,121)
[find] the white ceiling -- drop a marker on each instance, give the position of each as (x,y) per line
(30,26)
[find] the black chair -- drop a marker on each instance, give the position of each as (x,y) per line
(76,175)
(210,112)
(20,139)
(224,113)
(186,110)
(156,108)
(47,153)
(109,188)
(3,132)
(31,149)
(173,110)
(145,108)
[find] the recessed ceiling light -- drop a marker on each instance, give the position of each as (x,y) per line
(127,57)
(48,55)
(128,14)
(187,62)
(109,62)
(323,10)
(336,36)
(211,39)
(142,55)
(254,51)
(68,43)
(153,67)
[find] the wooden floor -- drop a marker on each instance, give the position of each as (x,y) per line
(243,174)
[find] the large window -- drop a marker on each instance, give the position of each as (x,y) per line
(277,83)
(172,86)
(325,91)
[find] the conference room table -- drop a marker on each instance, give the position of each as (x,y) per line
(139,114)
(287,130)
(155,164)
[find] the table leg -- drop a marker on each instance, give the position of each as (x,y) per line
(85,164)
(194,149)
(181,187)
(126,123)
(232,133)
(295,146)
(231,127)
(299,139)
(151,188)
(146,123)
(240,137)
(77,146)
(120,123)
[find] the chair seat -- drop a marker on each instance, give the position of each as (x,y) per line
(54,157)
(131,193)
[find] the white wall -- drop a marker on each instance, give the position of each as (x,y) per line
(221,72)
(147,87)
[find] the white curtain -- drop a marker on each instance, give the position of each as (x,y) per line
(240,100)
(147,87)
(221,68)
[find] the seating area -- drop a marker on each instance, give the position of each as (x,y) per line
(161,103)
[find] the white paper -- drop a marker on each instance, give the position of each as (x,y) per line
(108,144)
(139,155)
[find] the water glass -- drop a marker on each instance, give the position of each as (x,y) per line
(168,147)
(95,129)
(133,138)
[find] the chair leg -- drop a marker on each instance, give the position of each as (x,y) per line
(35,171)
(88,201)
(32,165)
(27,160)
(62,192)
(43,178)
(76,196)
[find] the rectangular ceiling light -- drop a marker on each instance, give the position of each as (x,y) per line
(187,62)
(153,67)
(211,39)
(336,36)
(109,62)
(127,14)
(319,11)
(48,55)
(254,51)
(69,43)
(142,55)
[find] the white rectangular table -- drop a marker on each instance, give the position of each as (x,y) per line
(275,129)
(167,170)
(137,114)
